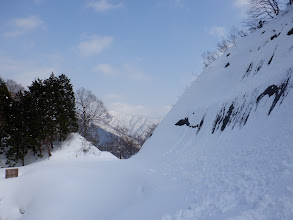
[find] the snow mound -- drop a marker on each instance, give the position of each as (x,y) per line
(76,147)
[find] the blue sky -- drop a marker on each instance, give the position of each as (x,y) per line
(137,56)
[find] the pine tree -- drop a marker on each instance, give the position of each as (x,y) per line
(5,104)
(38,101)
(66,114)
(20,140)
(36,117)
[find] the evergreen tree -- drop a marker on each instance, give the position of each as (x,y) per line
(5,104)
(36,94)
(36,117)
(21,139)
(66,114)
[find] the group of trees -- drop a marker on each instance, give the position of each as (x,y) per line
(231,40)
(32,119)
(262,11)
(125,144)
(259,12)
(90,109)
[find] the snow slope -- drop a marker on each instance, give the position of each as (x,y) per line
(224,151)
(235,143)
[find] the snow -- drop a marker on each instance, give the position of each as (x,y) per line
(77,147)
(238,171)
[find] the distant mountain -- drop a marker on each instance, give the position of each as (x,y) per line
(122,134)
(137,125)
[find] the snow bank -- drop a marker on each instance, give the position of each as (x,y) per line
(75,146)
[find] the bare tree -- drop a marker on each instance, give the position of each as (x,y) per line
(223,46)
(129,145)
(90,109)
(149,133)
(209,57)
(14,87)
(234,35)
(260,12)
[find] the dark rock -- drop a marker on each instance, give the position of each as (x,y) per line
(259,66)
(183,122)
(187,123)
(271,59)
(275,36)
(248,71)
(277,91)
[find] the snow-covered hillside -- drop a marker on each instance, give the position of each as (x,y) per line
(138,125)
(224,151)
(230,136)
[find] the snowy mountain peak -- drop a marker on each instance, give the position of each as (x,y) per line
(137,125)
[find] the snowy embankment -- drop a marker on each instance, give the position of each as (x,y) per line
(81,182)
(223,152)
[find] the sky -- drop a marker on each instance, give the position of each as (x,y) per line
(137,56)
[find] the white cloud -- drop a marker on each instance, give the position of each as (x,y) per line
(134,74)
(218,31)
(20,26)
(94,45)
(138,76)
(241,3)
(127,109)
(23,72)
(139,109)
(128,71)
(114,96)
(103,5)
(106,69)
(243,6)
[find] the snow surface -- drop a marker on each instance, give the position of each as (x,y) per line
(210,170)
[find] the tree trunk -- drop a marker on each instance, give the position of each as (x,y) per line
(49,151)
(51,142)
(40,150)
